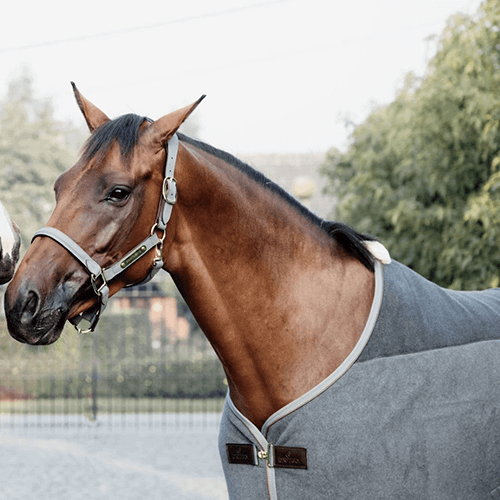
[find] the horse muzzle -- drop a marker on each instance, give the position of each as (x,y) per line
(33,318)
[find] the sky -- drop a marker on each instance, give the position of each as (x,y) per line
(281,76)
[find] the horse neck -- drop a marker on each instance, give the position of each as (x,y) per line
(280,303)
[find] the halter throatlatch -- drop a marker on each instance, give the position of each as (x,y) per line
(100,277)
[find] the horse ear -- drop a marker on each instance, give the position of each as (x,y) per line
(165,127)
(93,115)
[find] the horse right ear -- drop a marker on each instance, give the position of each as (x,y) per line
(92,114)
(163,129)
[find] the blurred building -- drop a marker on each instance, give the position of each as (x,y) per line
(162,310)
(298,174)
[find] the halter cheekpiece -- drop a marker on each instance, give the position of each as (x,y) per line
(100,277)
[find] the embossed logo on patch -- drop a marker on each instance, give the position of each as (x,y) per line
(242,454)
(290,458)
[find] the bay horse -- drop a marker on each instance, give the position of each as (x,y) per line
(350,376)
(10,242)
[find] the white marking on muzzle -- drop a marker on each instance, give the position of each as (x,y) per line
(8,234)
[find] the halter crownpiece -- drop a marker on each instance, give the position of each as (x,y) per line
(100,277)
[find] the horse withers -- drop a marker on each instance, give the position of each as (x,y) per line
(350,376)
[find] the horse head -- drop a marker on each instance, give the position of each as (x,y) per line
(104,220)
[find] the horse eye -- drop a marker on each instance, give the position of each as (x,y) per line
(119,194)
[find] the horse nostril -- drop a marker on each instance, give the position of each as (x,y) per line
(30,307)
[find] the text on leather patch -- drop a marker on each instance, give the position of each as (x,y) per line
(290,458)
(245,454)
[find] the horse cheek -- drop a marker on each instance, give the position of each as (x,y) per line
(106,235)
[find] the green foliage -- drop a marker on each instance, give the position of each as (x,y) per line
(34,150)
(422,174)
(119,360)
(85,406)
(193,378)
(129,365)
(149,378)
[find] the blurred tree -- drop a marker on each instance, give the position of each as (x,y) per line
(34,151)
(423,173)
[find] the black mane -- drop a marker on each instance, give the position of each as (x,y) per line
(124,130)
(349,239)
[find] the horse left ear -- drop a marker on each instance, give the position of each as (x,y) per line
(93,115)
(164,128)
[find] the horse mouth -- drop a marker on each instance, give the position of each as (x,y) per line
(48,338)
(50,325)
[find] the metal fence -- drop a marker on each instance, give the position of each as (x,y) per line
(143,359)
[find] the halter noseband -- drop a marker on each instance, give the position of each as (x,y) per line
(100,277)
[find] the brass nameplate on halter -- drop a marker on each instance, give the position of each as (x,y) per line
(284,457)
(133,257)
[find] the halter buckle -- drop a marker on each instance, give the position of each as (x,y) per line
(170,190)
(93,279)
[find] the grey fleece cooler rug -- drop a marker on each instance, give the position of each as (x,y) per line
(412,413)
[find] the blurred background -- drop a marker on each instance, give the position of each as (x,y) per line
(382,114)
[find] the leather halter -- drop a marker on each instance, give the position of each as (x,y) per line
(100,277)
